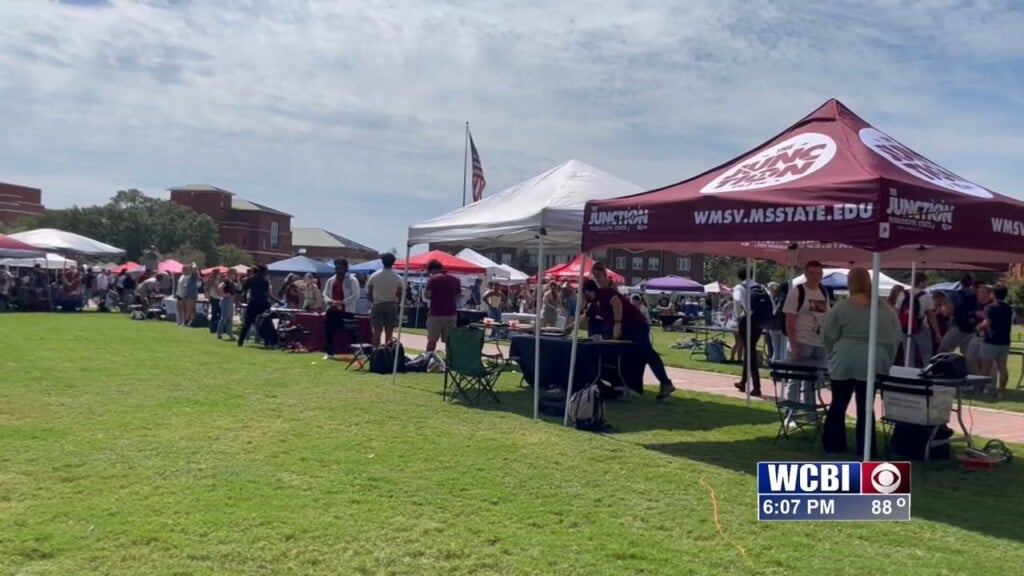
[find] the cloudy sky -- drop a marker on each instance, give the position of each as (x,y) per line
(350,115)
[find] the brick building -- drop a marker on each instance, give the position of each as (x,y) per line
(263,232)
(16,202)
(321,244)
(640,265)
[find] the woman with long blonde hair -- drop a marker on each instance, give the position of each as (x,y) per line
(846,336)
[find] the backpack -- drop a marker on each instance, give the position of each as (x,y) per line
(586,408)
(714,351)
(779,317)
(911,308)
(762,307)
(382,359)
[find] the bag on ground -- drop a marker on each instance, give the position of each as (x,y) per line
(586,409)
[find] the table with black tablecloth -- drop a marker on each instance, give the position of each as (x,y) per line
(595,359)
(313,323)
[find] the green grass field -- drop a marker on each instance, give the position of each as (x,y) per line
(141,448)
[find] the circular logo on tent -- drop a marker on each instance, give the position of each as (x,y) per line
(916,165)
(789,160)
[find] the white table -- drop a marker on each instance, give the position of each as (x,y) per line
(170,307)
(508,317)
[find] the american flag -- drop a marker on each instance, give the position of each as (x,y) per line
(479,182)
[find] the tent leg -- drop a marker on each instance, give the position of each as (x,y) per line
(401,310)
(908,341)
(869,408)
(536,327)
(575,339)
(748,353)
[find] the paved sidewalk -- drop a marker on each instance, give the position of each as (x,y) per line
(987,422)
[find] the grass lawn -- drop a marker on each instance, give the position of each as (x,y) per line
(141,448)
(679,358)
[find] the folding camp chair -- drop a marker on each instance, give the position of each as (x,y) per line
(466,367)
(360,350)
(806,416)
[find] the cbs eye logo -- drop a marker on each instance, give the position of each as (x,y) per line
(886,478)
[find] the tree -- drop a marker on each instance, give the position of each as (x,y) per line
(726,269)
(229,255)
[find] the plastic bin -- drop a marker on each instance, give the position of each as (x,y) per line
(931,410)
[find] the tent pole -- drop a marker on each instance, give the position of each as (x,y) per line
(909,344)
(869,404)
(401,309)
(746,308)
(536,326)
(575,339)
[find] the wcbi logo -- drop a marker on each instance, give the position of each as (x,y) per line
(833,477)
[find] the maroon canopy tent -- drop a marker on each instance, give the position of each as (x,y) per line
(13,248)
(831,186)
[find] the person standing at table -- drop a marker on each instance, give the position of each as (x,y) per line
(341,293)
(383,290)
(845,336)
(443,293)
(805,308)
(257,286)
(627,323)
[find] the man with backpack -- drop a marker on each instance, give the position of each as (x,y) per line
(917,314)
(962,309)
(805,308)
(760,311)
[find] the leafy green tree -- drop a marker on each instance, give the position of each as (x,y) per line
(229,255)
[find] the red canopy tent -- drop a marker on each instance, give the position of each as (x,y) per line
(571,271)
(170,266)
(129,265)
(223,270)
(450,263)
(14,248)
(830,187)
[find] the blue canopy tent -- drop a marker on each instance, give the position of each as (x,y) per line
(368,267)
(300,265)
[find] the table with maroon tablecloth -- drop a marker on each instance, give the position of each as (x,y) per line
(315,340)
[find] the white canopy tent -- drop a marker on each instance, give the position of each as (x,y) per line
(885,283)
(67,243)
(515,277)
(50,262)
(544,211)
(494,270)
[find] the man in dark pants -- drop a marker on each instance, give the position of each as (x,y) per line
(750,360)
(258,302)
(628,323)
(341,293)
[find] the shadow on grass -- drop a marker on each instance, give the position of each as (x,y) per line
(638,413)
(983,501)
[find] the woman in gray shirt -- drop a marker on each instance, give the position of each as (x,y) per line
(845,336)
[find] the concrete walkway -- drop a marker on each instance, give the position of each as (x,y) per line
(987,422)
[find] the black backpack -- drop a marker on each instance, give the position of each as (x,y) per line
(779,317)
(586,408)
(762,307)
(382,359)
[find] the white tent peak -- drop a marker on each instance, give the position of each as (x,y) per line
(493,269)
(885,283)
(553,200)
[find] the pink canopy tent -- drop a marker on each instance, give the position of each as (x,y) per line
(222,270)
(129,265)
(571,271)
(452,264)
(170,266)
(832,188)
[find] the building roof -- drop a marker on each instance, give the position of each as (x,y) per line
(320,238)
(199,188)
(243,204)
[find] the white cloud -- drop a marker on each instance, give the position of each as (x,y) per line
(350,114)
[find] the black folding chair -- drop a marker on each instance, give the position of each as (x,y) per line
(468,369)
(804,416)
(360,350)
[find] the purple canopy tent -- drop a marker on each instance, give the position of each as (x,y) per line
(674,284)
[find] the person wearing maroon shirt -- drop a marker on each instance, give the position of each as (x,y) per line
(443,292)
(627,323)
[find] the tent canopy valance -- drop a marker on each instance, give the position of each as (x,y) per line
(552,201)
(66,243)
(833,188)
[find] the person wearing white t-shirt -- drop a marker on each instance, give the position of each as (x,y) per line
(805,308)
(739,306)
(383,290)
(923,325)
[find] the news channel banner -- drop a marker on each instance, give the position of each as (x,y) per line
(833,491)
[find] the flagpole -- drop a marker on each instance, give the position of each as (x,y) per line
(465,153)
